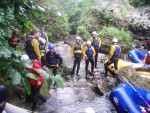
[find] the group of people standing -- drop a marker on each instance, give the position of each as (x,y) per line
(90,53)
(36,47)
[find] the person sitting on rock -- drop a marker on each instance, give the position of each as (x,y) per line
(53,60)
(4,94)
(146,65)
(89,54)
(77,55)
(113,57)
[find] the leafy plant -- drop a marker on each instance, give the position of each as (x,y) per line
(111,32)
(11,66)
(83,32)
(140,3)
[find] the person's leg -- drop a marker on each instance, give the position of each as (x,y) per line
(55,72)
(78,66)
(116,64)
(92,64)
(35,97)
(73,69)
(96,56)
(86,67)
(43,60)
(106,67)
(42,99)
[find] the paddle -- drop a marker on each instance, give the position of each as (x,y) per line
(148,105)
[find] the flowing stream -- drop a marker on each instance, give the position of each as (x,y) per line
(77,96)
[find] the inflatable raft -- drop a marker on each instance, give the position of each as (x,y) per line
(126,100)
(136,56)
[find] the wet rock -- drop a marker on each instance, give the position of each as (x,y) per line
(97,90)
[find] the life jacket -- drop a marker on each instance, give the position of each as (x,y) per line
(38,65)
(117,52)
(29,47)
(89,51)
(41,47)
(77,50)
(147,60)
(43,35)
(95,42)
(34,82)
(148,42)
(13,41)
(52,59)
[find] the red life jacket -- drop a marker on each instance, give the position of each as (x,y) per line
(147,60)
(38,65)
(34,82)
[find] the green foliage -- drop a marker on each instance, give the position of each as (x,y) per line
(83,32)
(16,69)
(59,81)
(111,32)
(140,3)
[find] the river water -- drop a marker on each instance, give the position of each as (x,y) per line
(77,96)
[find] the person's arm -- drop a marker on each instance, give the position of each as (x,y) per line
(91,39)
(46,37)
(35,45)
(84,52)
(100,42)
(112,50)
(72,51)
(59,59)
(94,52)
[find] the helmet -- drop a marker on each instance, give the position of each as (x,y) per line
(89,42)
(25,57)
(42,28)
(51,47)
(148,52)
(115,40)
(78,38)
(42,40)
(4,94)
(94,33)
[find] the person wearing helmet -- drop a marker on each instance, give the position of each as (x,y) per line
(32,46)
(89,54)
(4,94)
(53,60)
(36,85)
(14,40)
(96,43)
(42,45)
(43,34)
(113,57)
(77,54)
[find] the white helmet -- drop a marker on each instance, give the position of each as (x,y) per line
(94,33)
(115,40)
(78,38)
(24,57)
(42,40)
(148,52)
(89,42)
